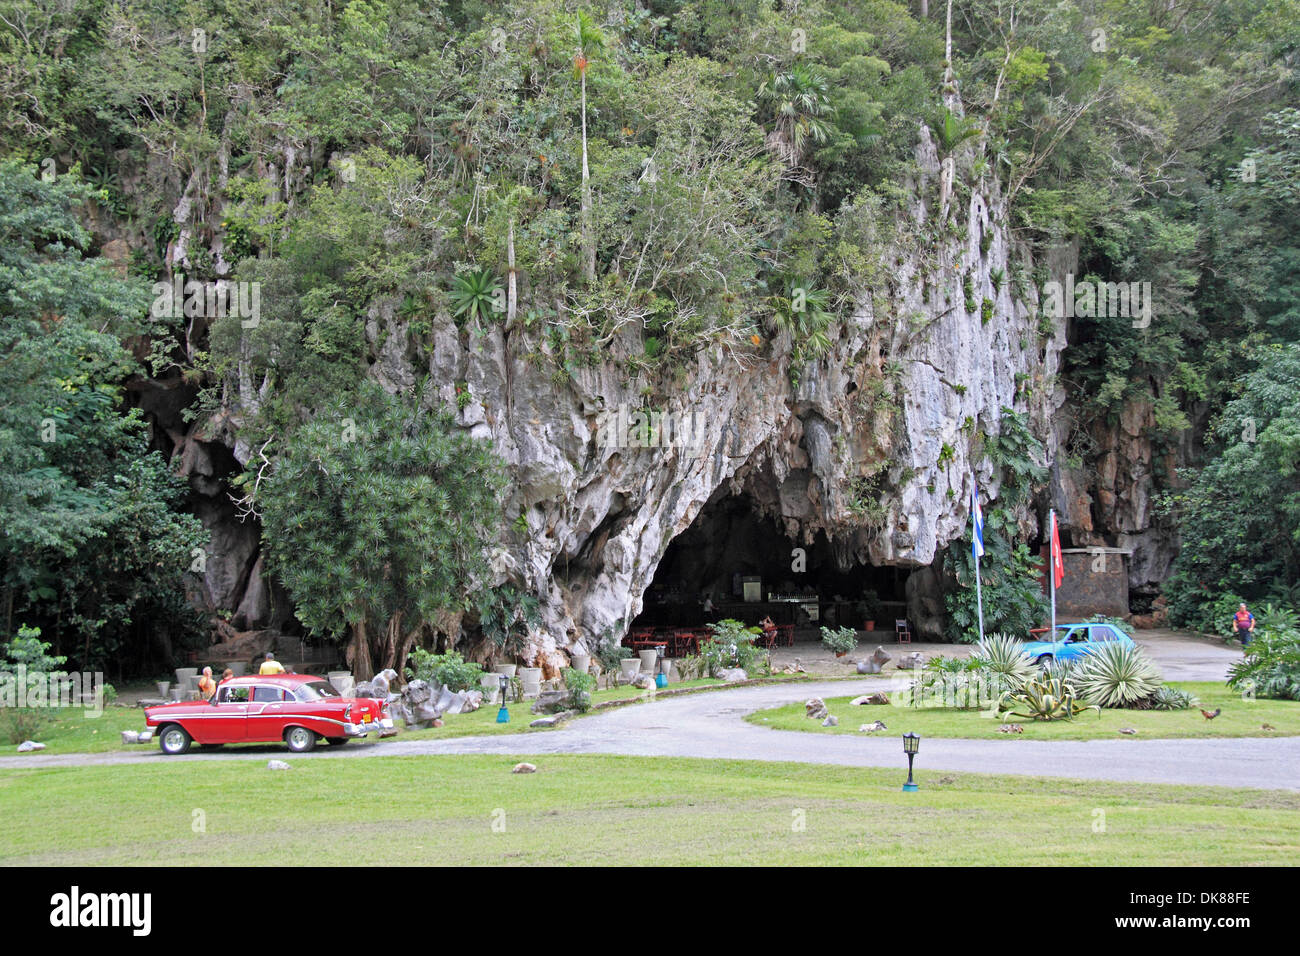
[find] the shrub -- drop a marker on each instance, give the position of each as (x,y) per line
(842,640)
(1003,655)
(1172,698)
(580,686)
(1044,698)
(29,651)
(732,645)
(450,670)
(1271,666)
(1117,675)
(610,653)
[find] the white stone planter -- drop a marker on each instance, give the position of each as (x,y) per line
(532,680)
(491,684)
(183,675)
(580,663)
(507,669)
(163,687)
(629,668)
(649,662)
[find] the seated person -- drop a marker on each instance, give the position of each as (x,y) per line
(768,626)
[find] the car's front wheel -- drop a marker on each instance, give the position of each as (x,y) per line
(299,739)
(1044,660)
(174,740)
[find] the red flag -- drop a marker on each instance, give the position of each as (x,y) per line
(1058,571)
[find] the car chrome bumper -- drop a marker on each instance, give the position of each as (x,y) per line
(356,730)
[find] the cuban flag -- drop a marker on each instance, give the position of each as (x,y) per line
(977,522)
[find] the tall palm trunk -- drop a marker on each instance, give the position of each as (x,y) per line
(588,239)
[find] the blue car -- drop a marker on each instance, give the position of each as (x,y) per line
(1073,641)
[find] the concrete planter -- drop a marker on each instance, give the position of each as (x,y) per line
(163,687)
(491,684)
(629,668)
(507,669)
(532,680)
(580,663)
(649,661)
(183,675)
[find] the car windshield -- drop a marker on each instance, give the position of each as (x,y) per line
(316,690)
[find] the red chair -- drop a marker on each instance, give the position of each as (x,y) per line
(785,634)
(683,643)
(902,632)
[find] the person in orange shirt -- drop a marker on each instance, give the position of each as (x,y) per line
(1243,622)
(207,686)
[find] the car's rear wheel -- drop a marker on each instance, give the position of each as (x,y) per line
(174,740)
(299,739)
(337,741)
(1044,660)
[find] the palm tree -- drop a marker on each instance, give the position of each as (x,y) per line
(590,40)
(798,99)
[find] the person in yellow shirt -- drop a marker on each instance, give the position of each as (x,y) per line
(271,665)
(207,686)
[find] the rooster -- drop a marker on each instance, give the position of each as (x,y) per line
(1210,715)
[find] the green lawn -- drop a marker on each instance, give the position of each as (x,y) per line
(74,732)
(457,810)
(1239,718)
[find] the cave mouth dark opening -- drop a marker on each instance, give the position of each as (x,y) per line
(730,544)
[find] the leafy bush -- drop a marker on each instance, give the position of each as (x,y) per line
(580,686)
(732,645)
(1271,665)
(610,653)
(30,652)
(1117,675)
(1172,698)
(842,640)
(448,669)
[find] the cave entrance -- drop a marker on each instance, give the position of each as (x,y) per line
(731,548)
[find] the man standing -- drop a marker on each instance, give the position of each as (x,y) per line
(1243,623)
(272,666)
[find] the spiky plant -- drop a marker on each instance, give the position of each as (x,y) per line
(1117,675)
(1172,698)
(1004,657)
(1044,698)
(474,294)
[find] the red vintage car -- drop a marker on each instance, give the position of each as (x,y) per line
(295,708)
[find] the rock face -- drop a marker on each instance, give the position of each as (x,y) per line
(872,445)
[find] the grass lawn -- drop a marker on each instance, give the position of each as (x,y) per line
(1239,718)
(73,732)
(457,810)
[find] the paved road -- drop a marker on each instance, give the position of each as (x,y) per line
(710,725)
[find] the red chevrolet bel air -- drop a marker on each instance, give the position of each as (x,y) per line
(294,708)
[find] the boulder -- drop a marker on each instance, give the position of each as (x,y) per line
(524,768)
(815,708)
(550,702)
(877,698)
(28,746)
(913,661)
(831,721)
(552,720)
(733,674)
(277,765)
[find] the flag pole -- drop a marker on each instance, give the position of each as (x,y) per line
(1051,564)
(977,547)
(979,598)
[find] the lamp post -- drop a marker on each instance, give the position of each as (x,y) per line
(911,744)
(661,679)
(503,715)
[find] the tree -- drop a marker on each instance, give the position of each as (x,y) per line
(95,545)
(798,102)
(1240,514)
(377,517)
(589,41)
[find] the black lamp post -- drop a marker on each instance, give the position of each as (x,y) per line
(503,715)
(911,744)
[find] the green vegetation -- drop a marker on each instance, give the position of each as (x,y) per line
(841,640)
(1241,716)
(1271,666)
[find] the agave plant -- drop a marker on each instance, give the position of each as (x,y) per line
(1117,675)
(1044,698)
(1172,698)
